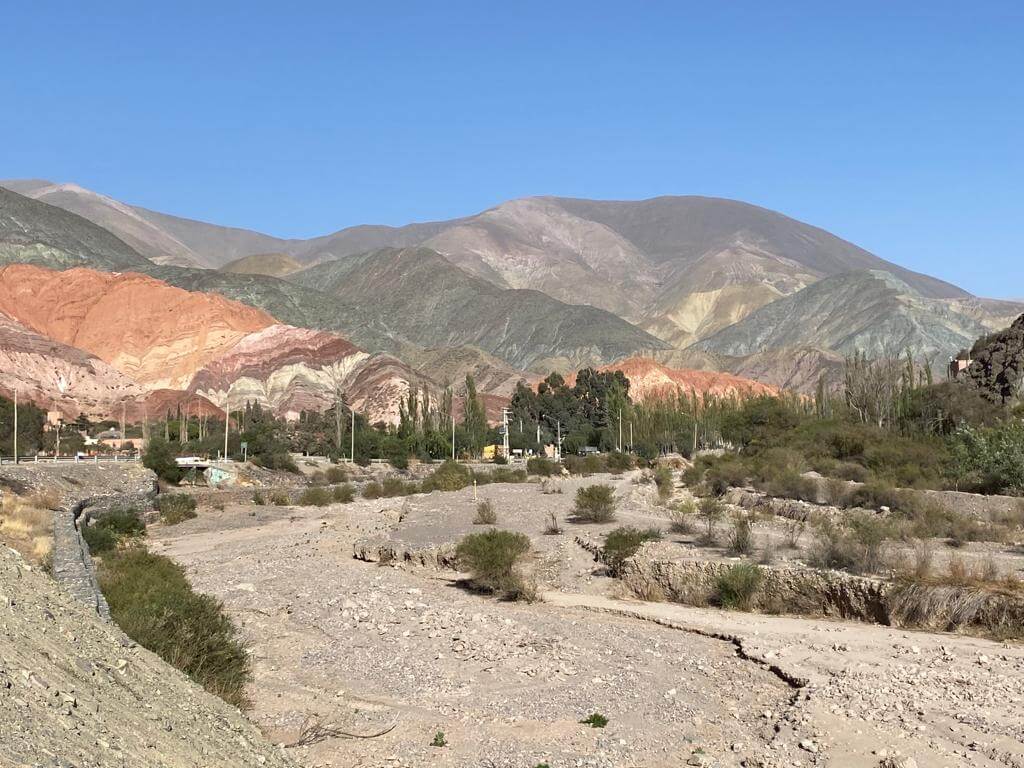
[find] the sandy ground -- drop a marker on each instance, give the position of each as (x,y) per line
(360,648)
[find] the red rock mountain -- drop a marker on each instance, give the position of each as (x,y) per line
(650,379)
(90,341)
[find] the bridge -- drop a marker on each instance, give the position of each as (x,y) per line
(44,460)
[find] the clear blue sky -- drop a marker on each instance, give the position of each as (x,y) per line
(899,126)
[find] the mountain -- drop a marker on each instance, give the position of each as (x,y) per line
(117,218)
(421,296)
(269,264)
(34,232)
(871,311)
(649,379)
(109,338)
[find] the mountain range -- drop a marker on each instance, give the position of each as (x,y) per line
(535,284)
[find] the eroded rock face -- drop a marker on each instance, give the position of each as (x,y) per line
(82,340)
(154,333)
(998,367)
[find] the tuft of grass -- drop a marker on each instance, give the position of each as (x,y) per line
(664,481)
(485,514)
(552,528)
(107,531)
(595,504)
(738,585)
(152,601)
(335,475)
(596,720)
(492,558)
(741,539)
(681,517)
(176,508)
(280,499)
(27,527)
(439,740)
(257,499)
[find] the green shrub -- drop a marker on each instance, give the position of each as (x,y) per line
(681,517)
(372,490)
(501,475)
(153,603)
(450,476)
(665,482)
(593,463)
(395,486)
(344,493)
(278,460)
(439,740)
(737,586)
(99,539)
(280,499)
(791,485)
(617,462)
(595,504)
(160,457)
(257,499)
(574,465)
(596,720)
(316,496)
(858,547)
(485,514)
(710,512)
(538,465)
(336,475)
(622,543)
(492,557)
(176,508)
(107,530)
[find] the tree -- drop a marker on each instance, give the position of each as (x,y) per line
(159,457)
(474,420)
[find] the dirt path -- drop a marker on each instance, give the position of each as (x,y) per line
(362,647)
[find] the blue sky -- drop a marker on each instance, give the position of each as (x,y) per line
(899,126)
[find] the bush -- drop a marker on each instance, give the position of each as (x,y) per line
(595,504)
(552,528)
(622,543)
(344,493)
(257,499)
(492,557)
(153,603)
(681,517)
(665,482)
(485,514)
(335,475)
(278,460)
(710,511)
(176,508)
(538,465)
(596,720)
(741,540)
(395,486)
(317,496)
(737,586)
(593,463)
(450,476)
(280,499)
(617,462)
(372,490)
(106,531)
(159,457)
(857,548)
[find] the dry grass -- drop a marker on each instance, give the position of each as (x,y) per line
(26,525)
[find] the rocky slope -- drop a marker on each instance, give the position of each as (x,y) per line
(33,232)
(871,311)
(59,377)
(422,296)
(269,264)
(75,691)
(998,364)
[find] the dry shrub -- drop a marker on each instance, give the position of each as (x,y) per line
(793,532)
(737,586)
(741,538)
(27,528)
(485,514)
(681,517)
(492,558)
(552,528)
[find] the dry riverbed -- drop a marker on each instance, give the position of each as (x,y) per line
(354,649)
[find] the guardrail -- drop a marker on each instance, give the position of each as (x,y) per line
(71,459)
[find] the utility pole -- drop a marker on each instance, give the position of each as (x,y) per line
(352,437)
(631,437)
(620,430)
(227,423)
(558,447)
(56,453)
(504,432)
(337,419)
(453,437)
(15,426)
(122,423)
